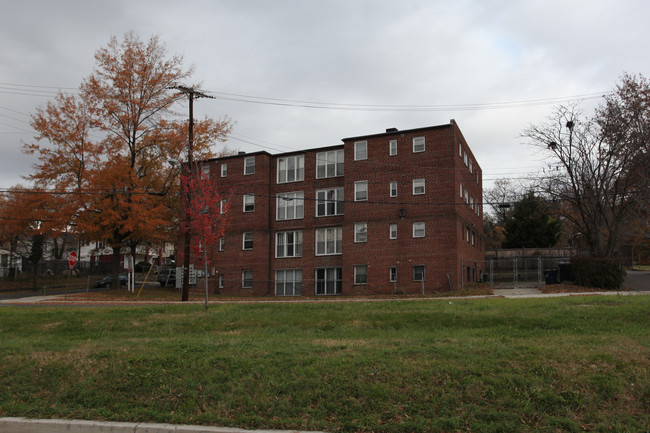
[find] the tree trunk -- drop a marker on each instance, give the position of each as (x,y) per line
(115,269)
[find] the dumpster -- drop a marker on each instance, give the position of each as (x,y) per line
(551,276)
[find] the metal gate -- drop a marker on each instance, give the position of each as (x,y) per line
(516,272)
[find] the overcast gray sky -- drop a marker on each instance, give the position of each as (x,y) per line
(461,59)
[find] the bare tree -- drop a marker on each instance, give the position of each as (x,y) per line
(597,171)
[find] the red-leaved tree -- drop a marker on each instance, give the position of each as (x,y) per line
(205,216)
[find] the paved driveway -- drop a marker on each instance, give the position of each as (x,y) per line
(637,280)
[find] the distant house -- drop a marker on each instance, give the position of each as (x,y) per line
(398,211)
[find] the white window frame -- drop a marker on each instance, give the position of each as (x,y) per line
(223,206)
(291,169)
(460,149)
(291,281)
(461,190)
(205,170)
(249,165)
(288,244)
(224,170)
(419,144)
(246,283)
(221,279)
(294,201)
(247,237)
(392,274)
(360,187)
(360,150)
(331,281)
(330,202)
(392,147)
(471,166)
(392,231)
(329,241)
(222,244)
(248,201)
(419,229)
(330,163)
(393,189)
(361,232)
(465,160)
(360,274)
(419,186)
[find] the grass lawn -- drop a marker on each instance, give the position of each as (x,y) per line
(485,365)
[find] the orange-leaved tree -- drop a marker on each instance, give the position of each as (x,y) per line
(109,147)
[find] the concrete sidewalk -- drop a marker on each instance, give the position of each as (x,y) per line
(23,425)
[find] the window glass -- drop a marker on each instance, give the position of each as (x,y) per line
(393,189)
(329,164)
(247,241)
(224,170)
(328,241)
(418,229)
(393,231)
(392,147)
(288,282)
(249,165)
(361,190)
(249,203)
(247,279)
(418,186)
(328,281)
(360,150)
(361,232)
(418,144)
(291,169)
(290,206)
(418,273)
(329,202)
(360,274)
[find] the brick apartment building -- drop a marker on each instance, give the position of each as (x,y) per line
(395,212)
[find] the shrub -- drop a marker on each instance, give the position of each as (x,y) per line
(601,272)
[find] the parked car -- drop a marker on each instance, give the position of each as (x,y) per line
(167,277)
(108,280)
(143,267)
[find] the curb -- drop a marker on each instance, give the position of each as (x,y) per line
(24,425)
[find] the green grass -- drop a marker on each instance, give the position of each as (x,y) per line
(498,365)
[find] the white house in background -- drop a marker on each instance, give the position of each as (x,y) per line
(97,252)
(6,262)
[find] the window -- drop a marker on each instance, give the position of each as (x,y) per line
(329,164)
(418,229)
(360,150)
(392,147)
(460,149)
(360,274)
(246,279)
(224,170)
(465,157)
(290,206)
(205,170)
(329,202)
(249,203)
(288,282)
(360,232)
(328,241)
(393,231)
(418,273)
(392,274)
(249,165)
(466,197)
(291,169)
(393,189)
(288,244)
(461,190)
(223,206)
(467,234)
(222,244)
(247,241)
(361,190)
(473,239)
(328,281)
(418,186)
(471,166)
(418,144)
(221,281)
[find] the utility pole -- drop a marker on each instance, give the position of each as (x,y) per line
(189,171)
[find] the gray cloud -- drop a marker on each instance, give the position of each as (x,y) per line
(364,52)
